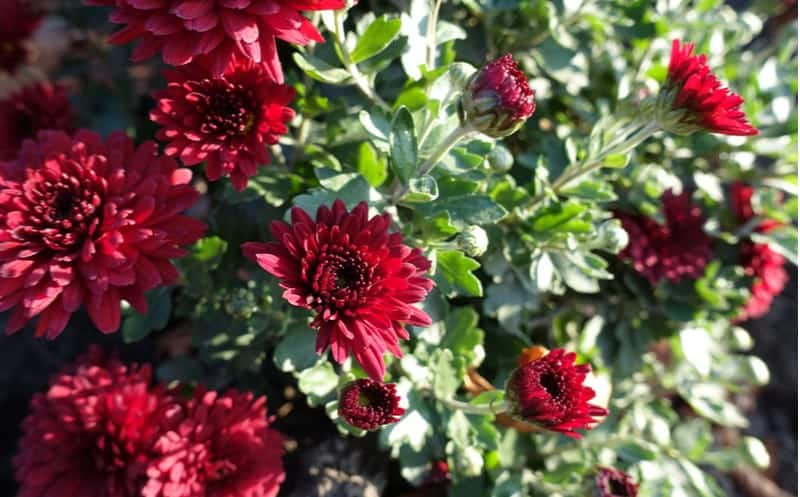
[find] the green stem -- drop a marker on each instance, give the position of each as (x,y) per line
(626,141)
(473,409)
(430,55)
(458,134)
(359,79)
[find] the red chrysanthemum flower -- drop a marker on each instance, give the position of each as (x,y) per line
(369,404)
(93,433)
(708,104)
(222,447)
(18,21)
(550,393)
(88,221)
(675,250)
(761,263)
(34,108)
(221,29)
(360,280)
(497,99)
(226,121)
(612,482)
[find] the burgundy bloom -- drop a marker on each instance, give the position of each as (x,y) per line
(440,473)
(369,404)
(93,433)
(497,99)
(360,280)
(549,392)
(675,250)
(227,121)
(34,108)
(222,447)
(760,262)
(87,221)
(614,483)
(18,21)
(221,29)
(708,104)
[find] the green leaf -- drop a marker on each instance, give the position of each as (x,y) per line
(454,272)
(466,210)
(403,142)
(296,350)
(209,250)
(423,189)
(463,334)
(321,70)
(159,308)
(616,161)
(318,382)
(371,166)
(437,227)
(696,346)
(596,190)
(447,373)
(556,216)
(574,276)
(708,400)
(376,38)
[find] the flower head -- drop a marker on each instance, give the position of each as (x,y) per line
(760,262)
(614,483)
(93,432)
(183,30)
(227,121)
(705,103)
(549,392)
(360,280)
(34,108)
(369,404)
(88,221)
(18,21)
(497,99)
(473,241)
(675,250)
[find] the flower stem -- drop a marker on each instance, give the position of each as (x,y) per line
(458,134)
(628,139)
(359,79)
(433,18)
(467,408)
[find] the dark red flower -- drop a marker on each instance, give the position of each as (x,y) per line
(369,404)
(760,262)
(226,121)
(614,483)
(440,473)
(675,250)
(708,103)
(497,99)
(34,108)
(222,447)
(361,281)
(550,393)
(221,29)
(93,433)
(18,21)
(87,221)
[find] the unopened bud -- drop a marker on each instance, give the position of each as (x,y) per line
(473,241)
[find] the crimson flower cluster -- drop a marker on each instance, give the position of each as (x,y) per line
(675,250)
(497,99)
(226,121)
(708,104)
(102,430)
(761,263)
(18,21)
(183,30)
(610,482)
(34,108)
(369,404)
(360,280)
(550,393)
(89,221)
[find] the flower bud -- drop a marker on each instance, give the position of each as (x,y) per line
(473,241)
(369,404)
(497,99)
(610,482)
(500,159)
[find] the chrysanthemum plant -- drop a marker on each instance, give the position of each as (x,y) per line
(518,239)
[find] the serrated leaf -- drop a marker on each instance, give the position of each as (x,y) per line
(454,272)
(376,38)
(371,166)
(296,350)
(466,210)
(318,382)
